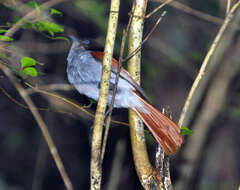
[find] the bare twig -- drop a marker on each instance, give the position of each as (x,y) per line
(158,8)
(96,163)
(26,107)
(125,32)
(42,126)
(55,87)
(228,7)
(145,39)
(206,61)
(212,106)
(195,12)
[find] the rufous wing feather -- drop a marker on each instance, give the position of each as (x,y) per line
(165,131)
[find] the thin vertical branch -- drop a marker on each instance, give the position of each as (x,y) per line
(228,7)
(147,175)
(158,8)
(124,37)
(96,163)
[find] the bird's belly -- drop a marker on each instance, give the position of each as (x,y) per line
(90,91)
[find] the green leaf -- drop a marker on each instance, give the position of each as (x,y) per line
(31,71)
(56,12)
(186,131)
(5,38)
(27,62)
(50,27)
(32,4)
(3,31)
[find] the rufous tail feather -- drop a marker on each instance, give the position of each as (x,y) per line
(165,131)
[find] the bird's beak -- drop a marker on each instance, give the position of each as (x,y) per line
(74,39)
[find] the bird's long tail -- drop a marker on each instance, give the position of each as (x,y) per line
(165,131)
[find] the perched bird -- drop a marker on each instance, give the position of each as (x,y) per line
(84,71)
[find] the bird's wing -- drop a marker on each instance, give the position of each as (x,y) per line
(123,73)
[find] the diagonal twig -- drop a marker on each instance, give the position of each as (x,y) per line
(145,39)
(206,61)
(158,8)
(42,126)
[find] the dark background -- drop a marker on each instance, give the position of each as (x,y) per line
(171,59)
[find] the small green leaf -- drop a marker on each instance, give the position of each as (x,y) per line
(27,62)
(56,12)
(3,31)
(186,131)
(5,38)
(31,71)
(50,27)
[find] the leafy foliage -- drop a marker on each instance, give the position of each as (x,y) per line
(50,27)
(31,71)
(186,131)
(27,62)
(56,12)
(3,31)
(5,38)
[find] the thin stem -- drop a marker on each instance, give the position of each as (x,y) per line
(158,8)
(228,6)
(205,62)
(145,39)
(42,126)
(123,43)
(96,162)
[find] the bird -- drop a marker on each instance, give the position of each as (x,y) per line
(84,70)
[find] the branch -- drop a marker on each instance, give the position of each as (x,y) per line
(158,8)
(29,102)
(65,87)
(145,39)
(125,32)
(96,162)
(148,178)
(206,61)
(211,106)
(42,126)
(195,12)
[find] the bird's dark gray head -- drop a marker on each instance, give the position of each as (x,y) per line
(86,44)
(78,46)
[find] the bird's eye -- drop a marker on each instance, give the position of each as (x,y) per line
(87,42)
